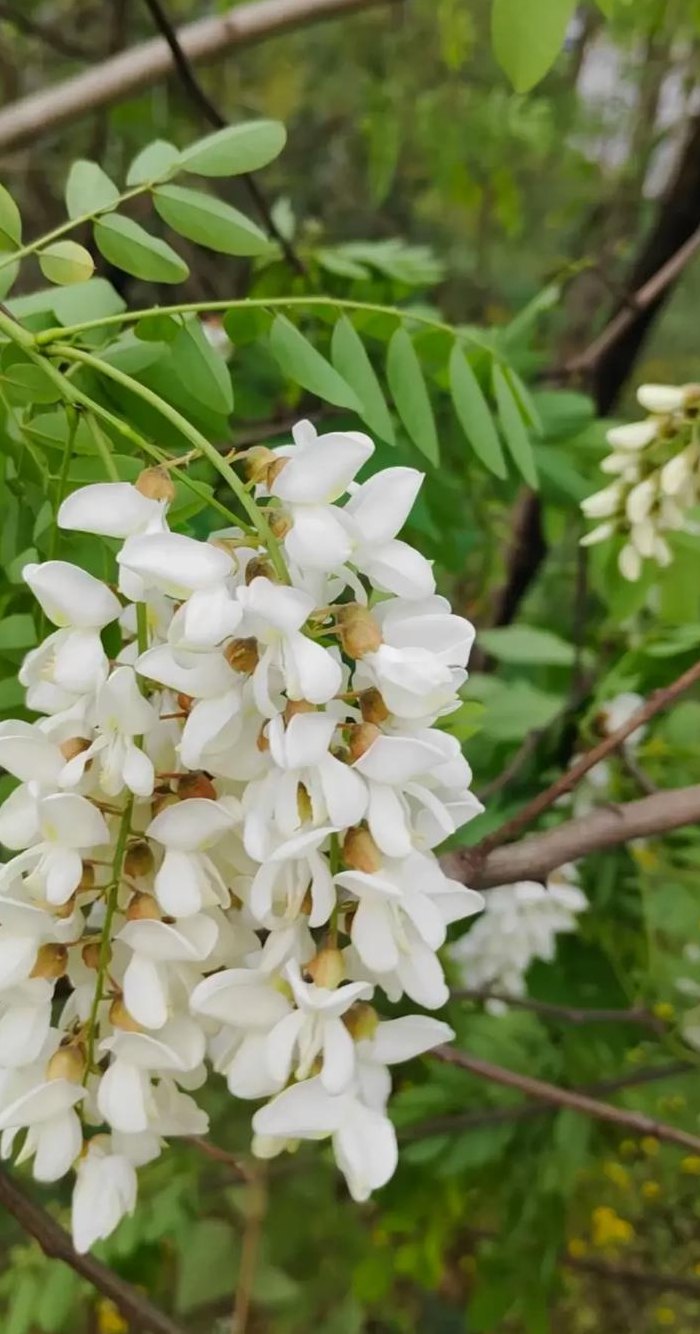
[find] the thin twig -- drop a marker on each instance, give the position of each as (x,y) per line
(56,1244)
(635,771)
(256,1208)
(223,1156)
(211,113)
(636,1123)
(569,1014)
(659,700)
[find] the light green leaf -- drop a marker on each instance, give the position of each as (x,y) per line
(89,189)
(528,36)
(201,369)
(299,360)
(236,149)
(339,265)
(352,362)
(130,247)
(10,221)
(156,162)
(25,383)
(527,644)
(474,413)
(410,394)
(8,275)
(92,300)
(208,1264)
(66,262)
(209,221)
(17,632)
(514,429)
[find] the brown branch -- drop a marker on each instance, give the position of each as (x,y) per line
(57,1245)
(607,827)
(149,63)
(213,116)
(637,1123)
(647,1278)
(524,1111)
(569,1014)
(223,1156)
(659,700)
(256,1209)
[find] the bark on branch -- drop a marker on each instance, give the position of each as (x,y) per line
(149,63)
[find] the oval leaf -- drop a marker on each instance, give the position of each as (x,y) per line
(527,644)
(299,360)
(209,221)
(10,221)
(411,395)
(527,37)
(26,383)
(514,428)
(201,368)
(155,162)
(130,247)
(351,361)
(89,190)
(474,413)
(66,262)
(236,149)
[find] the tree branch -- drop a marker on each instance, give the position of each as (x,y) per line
(568,1014)
(56,1244)
(635,1122)
(646,1278)
(213,116)
(149,63)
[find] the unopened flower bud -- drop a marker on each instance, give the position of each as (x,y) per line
(361,1020)
(361,737)
(87,879)
(360,851)
(163,799)
(51,962)
(295,706)
(184,702)
(90,954)
(358,630)
(139,859)
(119,1017)
(260,568)
(67,1063)
(156,483)
(327,969)
(372,706)
(259,460)
(262,742)
(280,523)
(75,745)
(274,470)
(242,654)
(143,908)
(66,910)
(196,785)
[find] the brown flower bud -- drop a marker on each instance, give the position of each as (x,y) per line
(327,969)
(184,702)
(358,630)
(65,910)
(274,469)
(67,1063)
(163,799)
(156,483)
(280,523)
(119,1016)
(90,954)
(51,962)
(360,851)
(262,742)
(361,1020)
(242,654)
(259,568)
(361,737)
(87,879)
(143,908)
(257,463)
(196,785)
(372,706)
(295,706)
(75,745)
(139,858)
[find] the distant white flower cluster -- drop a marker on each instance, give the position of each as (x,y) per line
(520,923)
(596,786)
(222,835)
(656,467)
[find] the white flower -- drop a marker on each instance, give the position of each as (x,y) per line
(315,1029)
(290,661)
(633,435)
(294,869)
(630,563)
(121,714)
(378,510)
(661,398)
(72,660)
(66,825)
(170,563)
(105,1192)
(150,978)
(188,879)
(603,504)
(419,666)
(111,509)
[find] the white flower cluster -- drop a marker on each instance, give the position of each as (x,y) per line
(596,786)
(520,923)
(656,466)
(223,835)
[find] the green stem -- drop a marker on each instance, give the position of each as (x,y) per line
(103,448)
(111,901)
(60,495)
(42,241)
(248,303)
(195,437)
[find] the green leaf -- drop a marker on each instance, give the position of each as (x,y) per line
(130,247)
(207,1265)
(352,362)
(514,429)
(527,644)
(528,36)
(25,383)
(8,275)
(10,221)
(410,394)
(92,300)
(155,162)
(236,149)
(157,328)
(17,632)
(474,413)
(299,360)
(209,221)
(66,262)
(89,189)
(201,368)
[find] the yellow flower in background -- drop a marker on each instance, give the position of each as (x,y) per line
(664,1010)
(665,1315)
(608,1229)
(645,855)
(691,1165)
(110,1320)
(651,1190)
(618,1174)
(577,1247)
(628,1148)
(650,1146)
